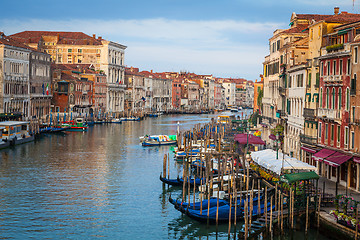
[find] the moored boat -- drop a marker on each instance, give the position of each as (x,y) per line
(16,132)
(152,142)
(77,125)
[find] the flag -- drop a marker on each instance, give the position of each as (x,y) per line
(47,89)
(43,88)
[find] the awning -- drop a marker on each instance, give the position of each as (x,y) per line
(272,137)
(336,159)
(295,177)
(344,31)
(308,149)
(356,159)
(244,138)
(323,153)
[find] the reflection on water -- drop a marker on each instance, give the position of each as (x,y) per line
(97,184)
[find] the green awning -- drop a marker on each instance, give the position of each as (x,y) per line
(309,96)
(344,31)
(295,177)
(305,29)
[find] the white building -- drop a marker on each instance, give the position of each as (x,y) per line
(14,76)
(295,108)
(112,63)
(230,92)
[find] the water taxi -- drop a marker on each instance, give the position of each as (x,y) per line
(16,132)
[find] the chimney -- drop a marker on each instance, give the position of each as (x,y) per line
(100,38)
(336,10)
(151,71)
(94,36)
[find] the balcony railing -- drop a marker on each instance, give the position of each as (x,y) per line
(332,114)
(307,139)
(309,113)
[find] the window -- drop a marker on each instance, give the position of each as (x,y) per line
(80,59)
(327,98)
(322,69)
(355,54)
(320,124)
(317,80)
(353,83)
(348,66)
(338,134)
(352,140)
(346,136)
(59,58)
(326,131)
(332,132)
(79,50)
(69,50)
(340,67)
(334,67)
(69,59)
(339,99)
(328,68)
(353,114)
(333,99)
(347,99)
(309,80)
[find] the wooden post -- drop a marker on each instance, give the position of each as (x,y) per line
(292,209)
(251,207)
(357,224)
(246,211)
(164,166)
(278,211)
(282,215)
(307,215)
(318,215)
(265,207)
(271,212)
(230,216)
(168,157)
(259,202)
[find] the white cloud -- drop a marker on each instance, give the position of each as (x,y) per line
(227,47)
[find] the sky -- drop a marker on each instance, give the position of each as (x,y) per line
(225,38)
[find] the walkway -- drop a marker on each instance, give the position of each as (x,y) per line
(330,188)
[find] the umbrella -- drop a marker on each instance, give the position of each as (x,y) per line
(244,139)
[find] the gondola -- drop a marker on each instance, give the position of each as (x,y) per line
(223,213)
(172,182)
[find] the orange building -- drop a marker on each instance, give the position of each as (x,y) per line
(258,86)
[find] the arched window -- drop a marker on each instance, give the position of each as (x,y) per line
(327,97)
(347,99)
(321,97)
(333,99)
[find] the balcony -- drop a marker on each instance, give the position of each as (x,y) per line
(327,113)
(282,90)
(309,113)
(307,139)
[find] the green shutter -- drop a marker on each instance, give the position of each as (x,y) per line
(309,81)
(317,79)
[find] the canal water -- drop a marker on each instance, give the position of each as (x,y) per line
(101,184)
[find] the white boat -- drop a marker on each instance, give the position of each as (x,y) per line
(16,132)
